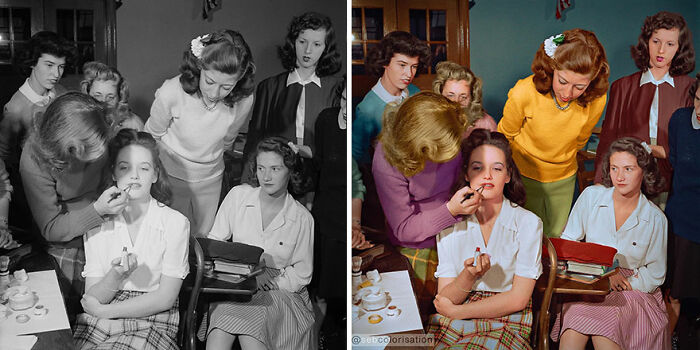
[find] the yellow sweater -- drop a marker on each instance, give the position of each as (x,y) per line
(545,139)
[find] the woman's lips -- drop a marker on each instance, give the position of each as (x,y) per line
(659,59)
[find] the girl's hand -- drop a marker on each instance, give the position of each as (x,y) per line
(5,237)
(111,202)
(458,206)
(475,271)
(619,283)
(93,306)
(266,282)
(122,271)
(445,307)
(358,240)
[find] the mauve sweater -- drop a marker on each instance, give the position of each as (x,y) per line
(415,207)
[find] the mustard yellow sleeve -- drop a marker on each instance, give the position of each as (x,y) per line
(596,111)
(513,112)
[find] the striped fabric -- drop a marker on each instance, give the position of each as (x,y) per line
(157,332)
(424,262)
(503,333)
(70,262)
(278,318)
(632,319)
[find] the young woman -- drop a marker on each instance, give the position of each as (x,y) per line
(486,299)
(61,168)
(416,162)
(683,137)
(131,302)
(395,60)
(641,104)
(288,104)
(550,115)
(197,115)
(460,85)
(266,215)
(107,85)
(618,214)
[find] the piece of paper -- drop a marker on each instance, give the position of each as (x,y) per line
(398,284)
(17,342)
(45,286)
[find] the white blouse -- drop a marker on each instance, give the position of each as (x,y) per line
(640,241)
(515,248)
(288,240)
(161,248)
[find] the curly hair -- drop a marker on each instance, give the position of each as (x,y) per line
(99,71)
(299,181)
(160,190)
(694,88)
(446,71)
(582,53)
(652,182)
(396,42)
(425,127)
(513,190)
(684,60)
(74,127)
(224,51)
(44,42)
(330,61)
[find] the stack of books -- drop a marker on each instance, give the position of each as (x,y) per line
(232,261)
(584,262)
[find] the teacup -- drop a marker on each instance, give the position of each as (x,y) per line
(393,311)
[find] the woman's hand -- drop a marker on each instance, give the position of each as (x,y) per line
(619,283)
(658,151)
(93,306)
(457,205)
(447,308)
(358,239)
(266,282)
(125,271)
(111,202)
(475,271)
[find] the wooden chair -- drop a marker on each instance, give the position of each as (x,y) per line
(586,177)
(545,288)
(188,318)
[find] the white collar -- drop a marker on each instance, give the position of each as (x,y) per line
(386,96)
(294,77)
(33,97)
(647,77)
(342,122)
(694,120)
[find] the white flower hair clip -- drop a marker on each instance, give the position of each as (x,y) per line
(551,44)
(196,45)
(646,147)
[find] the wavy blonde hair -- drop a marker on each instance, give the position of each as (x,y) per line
(447,71)
(425,127)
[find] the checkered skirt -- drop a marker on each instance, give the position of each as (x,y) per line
(424,262)
(507,332)
(155,332)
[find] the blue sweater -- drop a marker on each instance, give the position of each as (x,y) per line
(684,148)
(367,123)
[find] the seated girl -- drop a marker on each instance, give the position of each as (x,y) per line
(108,86)
(131,302)
(266,215)
(485,300)
(619,214)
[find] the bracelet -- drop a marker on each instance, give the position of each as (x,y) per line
(356,221)
(3,222)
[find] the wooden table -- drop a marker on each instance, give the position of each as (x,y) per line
(564,286)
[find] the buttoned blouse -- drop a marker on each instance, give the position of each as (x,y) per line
(515,248)
(161,248)
(287,240)
(640,241)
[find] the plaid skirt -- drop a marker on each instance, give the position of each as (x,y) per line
(507,332)
(70,263)
(424,262)
(155,332)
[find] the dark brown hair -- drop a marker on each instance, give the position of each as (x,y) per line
(227,52)
(652,182)
(684,60)
(329,63)
(513,190)
(694,87)
(299,181)
(582,53)
(396,42)
(44,42)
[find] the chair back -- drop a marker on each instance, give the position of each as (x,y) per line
(193,284)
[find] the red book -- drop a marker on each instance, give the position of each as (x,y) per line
(583,252)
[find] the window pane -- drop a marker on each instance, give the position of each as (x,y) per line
(5,53)
(417,23)
(357,53)
(64,24)
(439,52)
(356,23)
(374,21)
(4,24)
(437,25)
(86,53)
(85,25)
(358,69)
(370,46)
